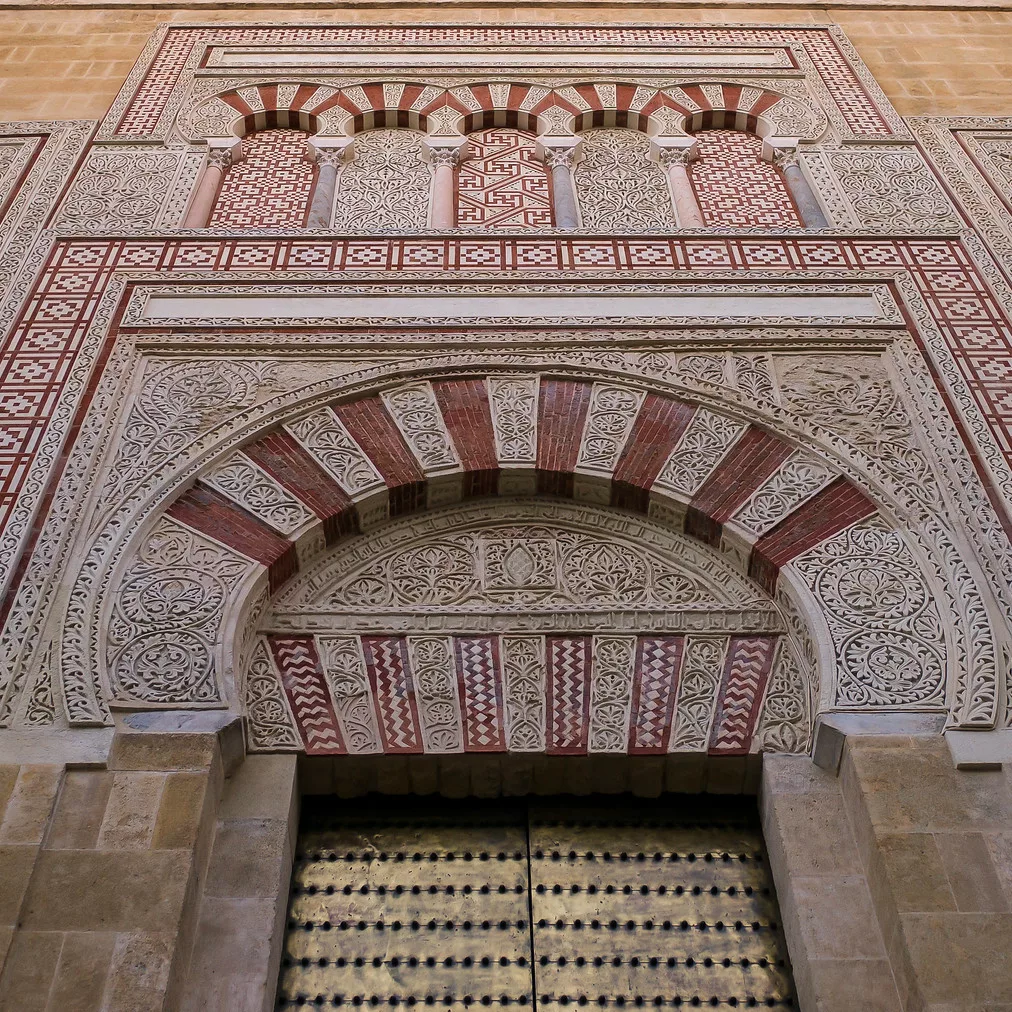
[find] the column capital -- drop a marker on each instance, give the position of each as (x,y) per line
(668,151)
(332,150)
(555,149)
(223,151)
(444,150)
(781,151)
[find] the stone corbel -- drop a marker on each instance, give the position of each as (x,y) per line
(783,153)
(674,154)
(329,153)
(221,153)
(443,153)
(560,153)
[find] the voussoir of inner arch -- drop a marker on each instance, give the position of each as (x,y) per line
(859,626)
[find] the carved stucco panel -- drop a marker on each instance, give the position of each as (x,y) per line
(617,185)
(167,610)
(887,633)
(385,185)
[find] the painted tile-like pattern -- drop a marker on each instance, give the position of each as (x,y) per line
(735,188)
(503,184)
(270,186)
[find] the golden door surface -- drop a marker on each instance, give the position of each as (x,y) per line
(665,905)
(442,904)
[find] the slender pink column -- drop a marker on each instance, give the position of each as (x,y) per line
(442,213)
(676,162)
(218,161)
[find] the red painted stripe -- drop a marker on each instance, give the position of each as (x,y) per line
(240,105)
(732,95)
(562,411)
(374,93)
(268,96)
(302,96)
(751,461)
(371,426)
(742,687)
(569,673)
(468,417)
(284,458)
(655,687)
(209,512)
(306,688)
(697,95)
(836,507)
(765,101)
(655,433)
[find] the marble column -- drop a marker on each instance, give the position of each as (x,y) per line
(560,162)
(219,158)
(675,161)
(442,213)
(804,199)
(329,156)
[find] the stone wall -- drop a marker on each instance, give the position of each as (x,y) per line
(894,879)
(69,64)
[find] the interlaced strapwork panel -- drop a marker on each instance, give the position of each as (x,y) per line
(735,188)
(654,908)
(396,910)
(270,186)
(618,186)
(503,183)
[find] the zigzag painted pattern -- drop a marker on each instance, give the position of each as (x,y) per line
(569,661)
(658,661)
(306,688)
(480,680)
(394,693)
(746,673)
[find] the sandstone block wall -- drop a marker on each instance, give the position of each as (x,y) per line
(894,879)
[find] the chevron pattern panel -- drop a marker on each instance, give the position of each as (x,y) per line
(306,688)
(658,660)
(379,707)
(480,681)
(746,673)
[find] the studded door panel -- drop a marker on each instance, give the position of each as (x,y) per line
(418,910)
(562,903)
(644,909)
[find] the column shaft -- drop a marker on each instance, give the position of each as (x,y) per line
(207,191)
(807,204)
(566,214)
(442,215)
(322,209)
(687,212)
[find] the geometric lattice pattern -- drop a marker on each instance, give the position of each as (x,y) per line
(503,184)
(270,186)
(735,187)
